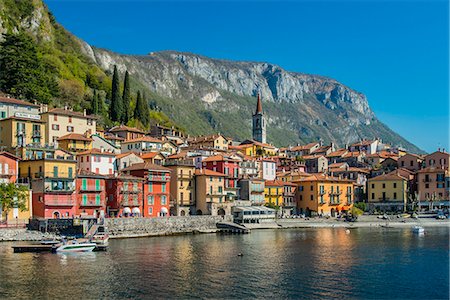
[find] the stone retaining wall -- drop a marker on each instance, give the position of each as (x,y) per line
(22,234)
(136,227)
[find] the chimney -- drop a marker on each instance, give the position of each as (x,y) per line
(84,112)
(65,107)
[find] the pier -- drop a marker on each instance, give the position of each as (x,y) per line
(229,227)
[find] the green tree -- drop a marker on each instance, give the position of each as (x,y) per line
(141,112)
(95,103)
(126,115)
(12,196)
(22,71)
(116,107)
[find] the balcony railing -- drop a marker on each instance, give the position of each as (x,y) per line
(7,173)
(59,202)
(68,189)
(130,191)
(322,202)
(322,192)
(335,202)
(91,188)
(158,178)
(91,203)
(130,203)
(335,192)
(54,175)
(184,176)
(36,134)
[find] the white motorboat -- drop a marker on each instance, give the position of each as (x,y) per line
(76,247)
(418,229)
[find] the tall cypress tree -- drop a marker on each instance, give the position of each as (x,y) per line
(141,112)
(146,111)
(116,107)
(126,115)
(95,103)
(138,108)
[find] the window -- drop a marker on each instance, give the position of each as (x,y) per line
(70,119)
(97,185)
(55,171)
(150,200)
(55,127)
(411,163)
(427,185)
(55,117)
(84,184)
(97,199)
(373,196)
(312,188)
(84,199)
(300,188)
(69,128)
(395,185)
(181,196)
(163,187)
(301,197)
(211,190)
(163,200)
(150,187)
(150,210)
(89,121)
(311,197)
(395,196)
(403,163)
(384,185)
(210,179)
(3,114)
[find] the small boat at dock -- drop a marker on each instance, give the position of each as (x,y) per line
(75,246)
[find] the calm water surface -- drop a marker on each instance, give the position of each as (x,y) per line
(297,263)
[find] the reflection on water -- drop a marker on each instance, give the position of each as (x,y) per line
(297,263)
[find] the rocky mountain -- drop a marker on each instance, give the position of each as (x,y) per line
(204,95)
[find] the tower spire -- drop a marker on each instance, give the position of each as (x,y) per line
(259,105)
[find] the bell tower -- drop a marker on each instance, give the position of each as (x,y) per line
(259,123)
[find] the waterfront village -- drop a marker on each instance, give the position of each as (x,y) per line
(71,168)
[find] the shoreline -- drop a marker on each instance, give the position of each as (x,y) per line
(24,235)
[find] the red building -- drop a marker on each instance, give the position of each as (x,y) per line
(90,194)
(124,195)
(9,166)
(227,166)
(156,188)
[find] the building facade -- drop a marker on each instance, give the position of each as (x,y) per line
(259,123)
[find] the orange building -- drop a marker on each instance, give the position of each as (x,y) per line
(324,195)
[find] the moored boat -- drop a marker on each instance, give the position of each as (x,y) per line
(76,247)
(418,229)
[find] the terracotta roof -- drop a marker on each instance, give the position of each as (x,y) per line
(338,153)
(432,170)
(146,166)
(259,105)
(23,119)
(143,139)
(182,154)
(207,172)
(304,147)
(17,102)
(321,149)
(66,112)
(218,158)
(413,155)
(338,165)
(126,128)
(362,143)
(309,157)
(121,155)
(10,155)
(388,177)
(205,138)
(352,154)
(274,183)
(113,137)
(150,155)
(122,176)
(322,177)
(74,136)
(253,142)
(96,152)
(85,173)
(403,172)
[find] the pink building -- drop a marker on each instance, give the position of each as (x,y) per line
(227,166)
(96,161)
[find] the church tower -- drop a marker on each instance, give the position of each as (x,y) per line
(259,123)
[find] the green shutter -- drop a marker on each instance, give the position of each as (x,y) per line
(55,171)
(97,199)
(97,185)
(84,199)
(83,184)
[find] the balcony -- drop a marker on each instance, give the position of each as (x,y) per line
(130,203)
(36,134)
(427,180)
(322,192)
(59,202)
(91,188)
(335,202)
(130,191)
(335,193)
(61,190)
(158,178)
(7,173)
(53,175)
(91,203)
(322,202)
(185,176)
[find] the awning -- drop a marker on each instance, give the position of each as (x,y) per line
(164,210)
(127,210)
(136,210)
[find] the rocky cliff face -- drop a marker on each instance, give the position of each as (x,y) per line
(205,95)
(299,107)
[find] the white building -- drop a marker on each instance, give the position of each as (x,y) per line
(142,144)
(10,107)
(97,161)
(268,169)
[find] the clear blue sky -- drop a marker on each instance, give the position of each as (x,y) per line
(395,52)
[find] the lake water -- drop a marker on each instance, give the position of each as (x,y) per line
(295,263)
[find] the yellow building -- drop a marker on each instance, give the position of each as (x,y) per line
(388,192)
(273,192)
(255,148)
(182,186)
(47,168)
(19,132)
(61,122)
(320,194)
(210,193)
(74,142)
(215,141)
(18,217)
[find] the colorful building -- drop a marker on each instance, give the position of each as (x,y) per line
(289,200)
(157,197)
(228,166)
(182,186)
(126,133)
(74,142)
(410,161)
(142,144)
(124,195)
(273,192)
(97,161)
(52,183)
(388,192)
(252,190)
(125,160)
(324,195)
(61,122)
(17,134)
(90,194)
(215,141)
(10,107)
(210,195)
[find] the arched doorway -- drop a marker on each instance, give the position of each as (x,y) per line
(333,212)
(182,213)
(221,212)
(56,215)
(199,212)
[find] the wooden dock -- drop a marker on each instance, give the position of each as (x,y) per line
(37,248)
(228,227)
